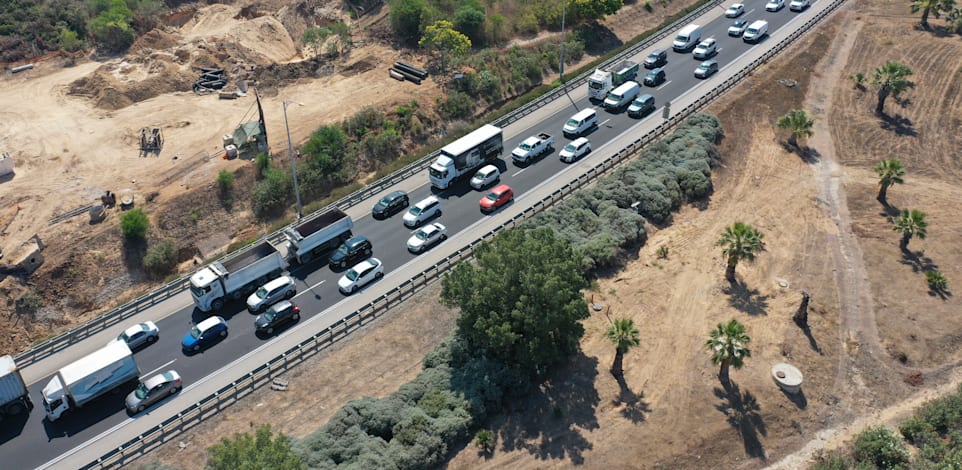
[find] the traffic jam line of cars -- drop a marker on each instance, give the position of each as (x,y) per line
(272,301)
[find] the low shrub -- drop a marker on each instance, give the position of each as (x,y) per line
(133,224)
(272,195)
(160,259)
(880,446)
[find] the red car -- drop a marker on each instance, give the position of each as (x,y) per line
(496,198)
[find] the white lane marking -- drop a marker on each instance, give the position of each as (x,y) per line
(519,172)
(161,367)
(666,84)
(603,123)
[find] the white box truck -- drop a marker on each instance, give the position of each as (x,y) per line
(88,378)
(463,156)
(14,398)
(317,237)
(235,278)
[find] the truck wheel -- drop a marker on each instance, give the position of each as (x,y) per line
(367,252)
(15,408)
(236,295)
(306,258)
(217,304)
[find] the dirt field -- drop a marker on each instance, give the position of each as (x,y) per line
(824,233)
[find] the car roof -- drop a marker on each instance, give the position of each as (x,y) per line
(356,240)
(395,194)
(709,41)
(281,306)
(709,63)
(501,188)
(427,201)
(488,169)
(580,140)
(280,281)
(658,51)
(135,329)
(206,324)
(654,71)
(159,379)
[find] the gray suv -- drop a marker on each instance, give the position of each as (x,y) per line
(657,58)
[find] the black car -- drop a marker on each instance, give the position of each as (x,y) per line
(655,77)
(352,251)
(391,204)
(278,314)
(657,58)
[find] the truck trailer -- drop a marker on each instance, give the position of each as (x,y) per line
(86,379)
(317,237)
(603,80)
(463,156)
(237,277)
(14,398)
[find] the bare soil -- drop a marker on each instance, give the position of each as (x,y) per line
(824,234)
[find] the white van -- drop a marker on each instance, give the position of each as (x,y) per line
(687,38)
(622,96)
(755,31)
(581,122)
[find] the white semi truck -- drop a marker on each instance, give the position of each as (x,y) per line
(602,81)
(461,157)
(317,237)
(237,277)
(87,378)
(14,398)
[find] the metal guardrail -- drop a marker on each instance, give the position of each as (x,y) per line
(264,374)
(141,303)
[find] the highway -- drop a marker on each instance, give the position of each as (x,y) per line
(32,441)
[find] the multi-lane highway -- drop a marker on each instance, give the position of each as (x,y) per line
(33,441)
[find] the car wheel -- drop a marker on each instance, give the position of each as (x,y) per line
(140,408)
(296,317)
(444,237)
(354,288)
(223,333)
(290,294)
(270,331)
(342,264)
(378,275)
(438,214)
(196,347)
(174,390)
(151,339)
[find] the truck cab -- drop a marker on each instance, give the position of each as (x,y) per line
(205,288)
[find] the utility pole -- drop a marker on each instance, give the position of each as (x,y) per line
(290,151)
(562,65)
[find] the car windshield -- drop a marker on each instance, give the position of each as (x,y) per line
(421,235)
(123,337)
(570,147)
(524,146)
(261,293)
(383,202)
(141,391)
(270,315)
(195,332)
(573,122)
(652,57)
(342,249)
(351,275)
(492,196)
(415,210)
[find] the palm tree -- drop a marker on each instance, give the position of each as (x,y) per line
(798,122)
(728,345)
(910,223)
(740,242)
(889,172)
(624,335)
(931,6)
(891,79)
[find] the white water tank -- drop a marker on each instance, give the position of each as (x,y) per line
(788,377)
(6,164)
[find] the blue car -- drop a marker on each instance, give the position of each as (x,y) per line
(204,333)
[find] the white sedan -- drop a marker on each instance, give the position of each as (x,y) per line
(140,334)
(735,10)
(487,175)
(426,237)
(360,275)
(774,5)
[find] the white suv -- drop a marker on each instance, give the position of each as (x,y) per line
(799,5)
(271,293)
(422,211)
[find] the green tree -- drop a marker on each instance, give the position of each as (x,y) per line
(890,79)
(160,258)
(889,172)
(484,439)
(262,163)
(111,28)
(728,344)
(225,181)
(406,17)
(314,38)
(798,123)
(258,452)
(624,335)
(740,242)
(69,40)
(342,31)
(444,37)
(133,224)
(910,223)
(271,195)
(520,300)
(470,21)
(935,7)
(590,11)
(881,448)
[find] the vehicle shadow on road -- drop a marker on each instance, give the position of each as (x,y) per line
(744,414)
(13,425)
(75,421)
